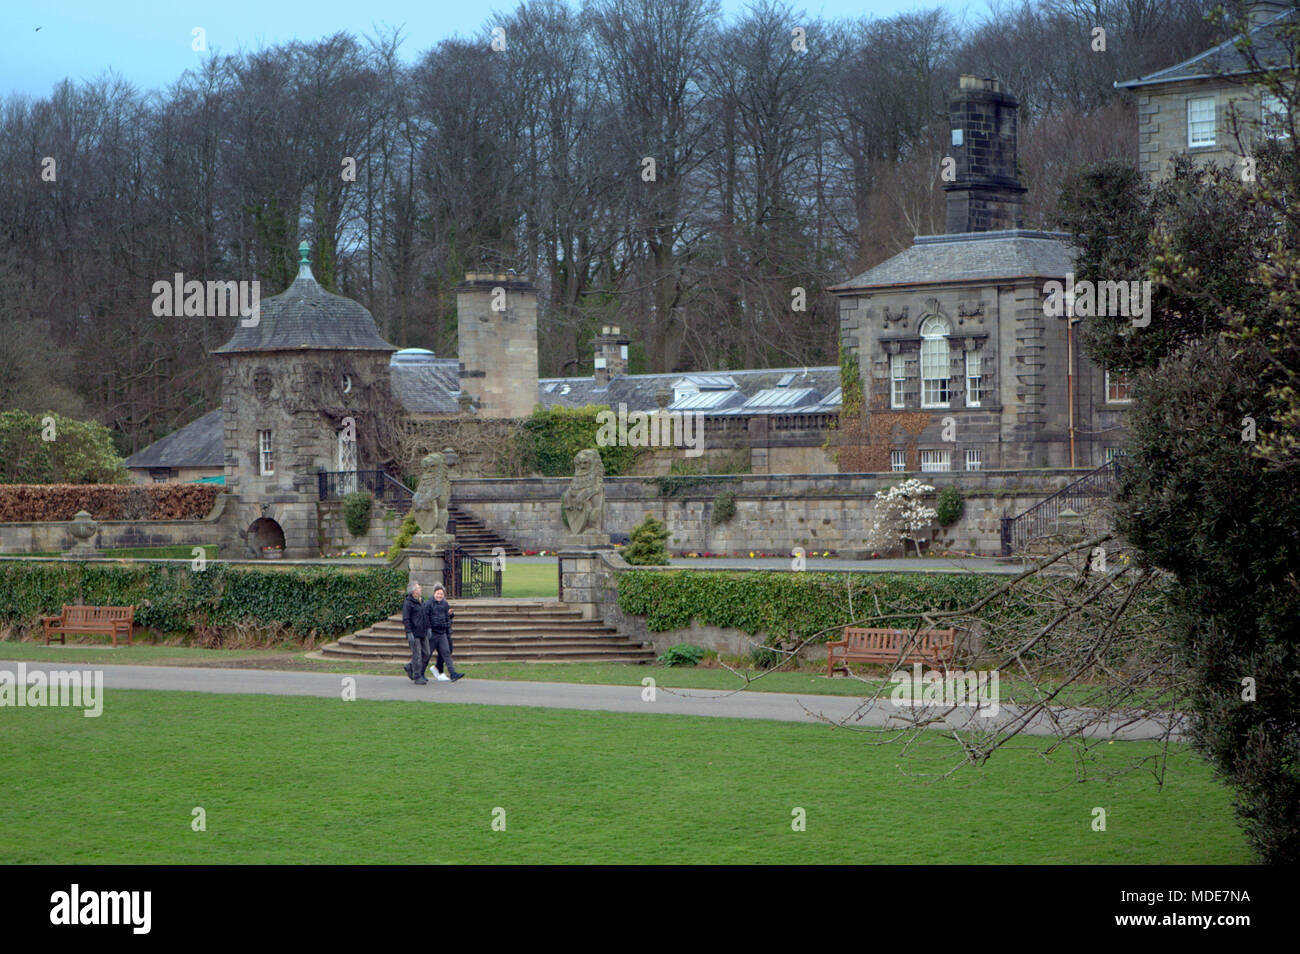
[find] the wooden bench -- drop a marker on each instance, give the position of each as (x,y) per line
(110,620)
(931,646)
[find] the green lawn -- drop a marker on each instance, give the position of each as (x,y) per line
(288,780)
(530,579)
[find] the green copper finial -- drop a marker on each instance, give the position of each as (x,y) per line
(303,250)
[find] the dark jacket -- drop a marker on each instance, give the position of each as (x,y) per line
(413,616)
(437,616)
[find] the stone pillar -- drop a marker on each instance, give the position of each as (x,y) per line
(496,321)
(425,562)
(580,580)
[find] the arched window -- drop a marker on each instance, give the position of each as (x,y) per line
(935,371)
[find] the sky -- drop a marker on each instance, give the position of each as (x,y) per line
(150,42)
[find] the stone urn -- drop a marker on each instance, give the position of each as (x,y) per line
(83,529)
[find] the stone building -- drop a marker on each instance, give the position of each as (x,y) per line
(956,350)
(1204,106)
(297,386)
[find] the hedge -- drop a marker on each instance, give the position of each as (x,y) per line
(794,606)
(39,502)
(789,604)
(310,602)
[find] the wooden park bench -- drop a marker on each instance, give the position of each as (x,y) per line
(110,620)
(883,646)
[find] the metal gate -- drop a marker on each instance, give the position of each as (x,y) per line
(467,577)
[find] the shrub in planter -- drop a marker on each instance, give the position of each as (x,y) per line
(356,512)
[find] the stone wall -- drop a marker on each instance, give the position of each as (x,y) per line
(53,535)
(335,536)
(774,513)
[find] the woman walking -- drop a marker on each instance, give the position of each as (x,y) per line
(438,614)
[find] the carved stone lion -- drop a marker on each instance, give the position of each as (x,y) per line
(583,505)
(432,495)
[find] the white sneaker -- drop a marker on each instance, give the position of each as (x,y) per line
(442,677)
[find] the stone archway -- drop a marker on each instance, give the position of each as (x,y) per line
(265,532)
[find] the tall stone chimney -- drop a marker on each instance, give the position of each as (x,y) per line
(496,320)
(611,355)
(986,194)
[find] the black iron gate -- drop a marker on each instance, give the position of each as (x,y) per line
(467,577)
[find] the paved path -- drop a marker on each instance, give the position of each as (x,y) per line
(777,706)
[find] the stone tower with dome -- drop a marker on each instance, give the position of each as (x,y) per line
(300,386)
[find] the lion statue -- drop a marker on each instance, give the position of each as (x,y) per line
(432,495)
(583,504)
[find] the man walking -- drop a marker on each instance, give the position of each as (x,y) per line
(413,621)
(438,615)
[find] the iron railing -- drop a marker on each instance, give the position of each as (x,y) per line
(1040,519)
(466,577)
(337,484)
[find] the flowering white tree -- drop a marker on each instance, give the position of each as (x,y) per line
(901,515)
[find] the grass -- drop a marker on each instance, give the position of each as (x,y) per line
(291,780)
(520,580)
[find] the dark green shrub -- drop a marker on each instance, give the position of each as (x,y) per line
(683,654)
(649,543)
(81,452)
(551,438)
(308,602)
(356,512)
(724,508)
(950,506)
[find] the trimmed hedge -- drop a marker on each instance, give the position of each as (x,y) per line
(787,606)
(310,602)
(796,605)
(39,502)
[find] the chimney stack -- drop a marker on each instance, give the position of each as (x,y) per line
(986,194)
(611,355)
(496,329)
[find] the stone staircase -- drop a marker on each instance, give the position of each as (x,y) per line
(477,539)
(502,630)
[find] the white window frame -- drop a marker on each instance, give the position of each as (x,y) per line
(897,380)
(265,457)
(1196,121)
(1118,384)
(898,461)
(935,355)
(939,461)
(974,382)
(974,458)
(1273,117)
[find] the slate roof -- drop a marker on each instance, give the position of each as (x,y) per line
(429,387)
(970,256)
(1270,50)
(198,444)
(638,391)
(306,316)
